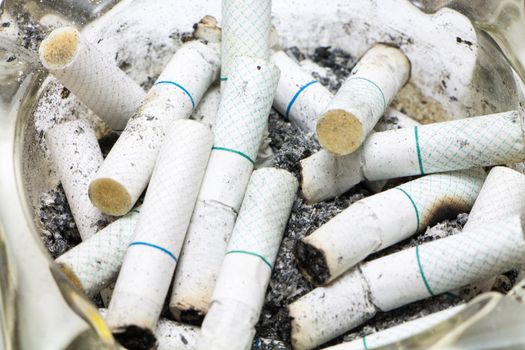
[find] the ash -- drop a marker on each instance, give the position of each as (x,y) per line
(59,232)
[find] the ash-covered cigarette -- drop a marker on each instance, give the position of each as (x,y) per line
(77,156)
(362,99)
(93,78)
(239,293)
(384,219)
(241,121)
(149,263)
(125,172)
(404,277)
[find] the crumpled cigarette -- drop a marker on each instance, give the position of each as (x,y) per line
(404,277)
(381,220)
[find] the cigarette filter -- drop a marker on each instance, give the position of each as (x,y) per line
(502,196)
(94,264)
(453,145)
(241,119)
(148,266)
(362,99)
(299,98)
(245,32)
(399,332)
(77,156)
(381,220)
(91,76)
(246,269)
(126,170)
(404,277)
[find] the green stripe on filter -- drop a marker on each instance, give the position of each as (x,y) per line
(465,143)
(470,256)
(263,215)
(437,195)
(245,32)
(241,122)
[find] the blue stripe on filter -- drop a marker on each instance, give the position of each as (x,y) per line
(151,245)
(180,87)
(296,96)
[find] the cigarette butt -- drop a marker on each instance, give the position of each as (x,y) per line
(362,99)
(91,76)
(245,32)
(126,170)
(502,196)
(384,219)
(238,130)
(327,312)
(150,259)
(299,98)
(208,29)
(246,269)
(399,332)
(453,145)
(197,268)
(206,111)
(404,277)
(94,264)
(77,156)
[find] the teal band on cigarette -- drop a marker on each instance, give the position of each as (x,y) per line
(180,87)
(224,78)
(413,204)
(225,149)
(423,277)
(250,253)
(365,347)
(420,161)
(151,245)
(374,84)
(292,101)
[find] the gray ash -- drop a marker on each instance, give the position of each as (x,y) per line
(59,231)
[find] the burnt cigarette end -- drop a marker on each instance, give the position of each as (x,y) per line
(340,132)
(135,338)
(59,48)
(192,316)
(312,262)
(110,196)
(446,207)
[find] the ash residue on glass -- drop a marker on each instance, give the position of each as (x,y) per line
(59,231)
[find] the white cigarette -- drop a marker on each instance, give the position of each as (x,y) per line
(238,296)
(384,219)
(299,98)
(399,332)
(206,111)
(91,76)
(453,145)
(148,266)
(362,99)
(241,119)
(94,264)
(77,156)
(126,170)
(245,32)
(404,277)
